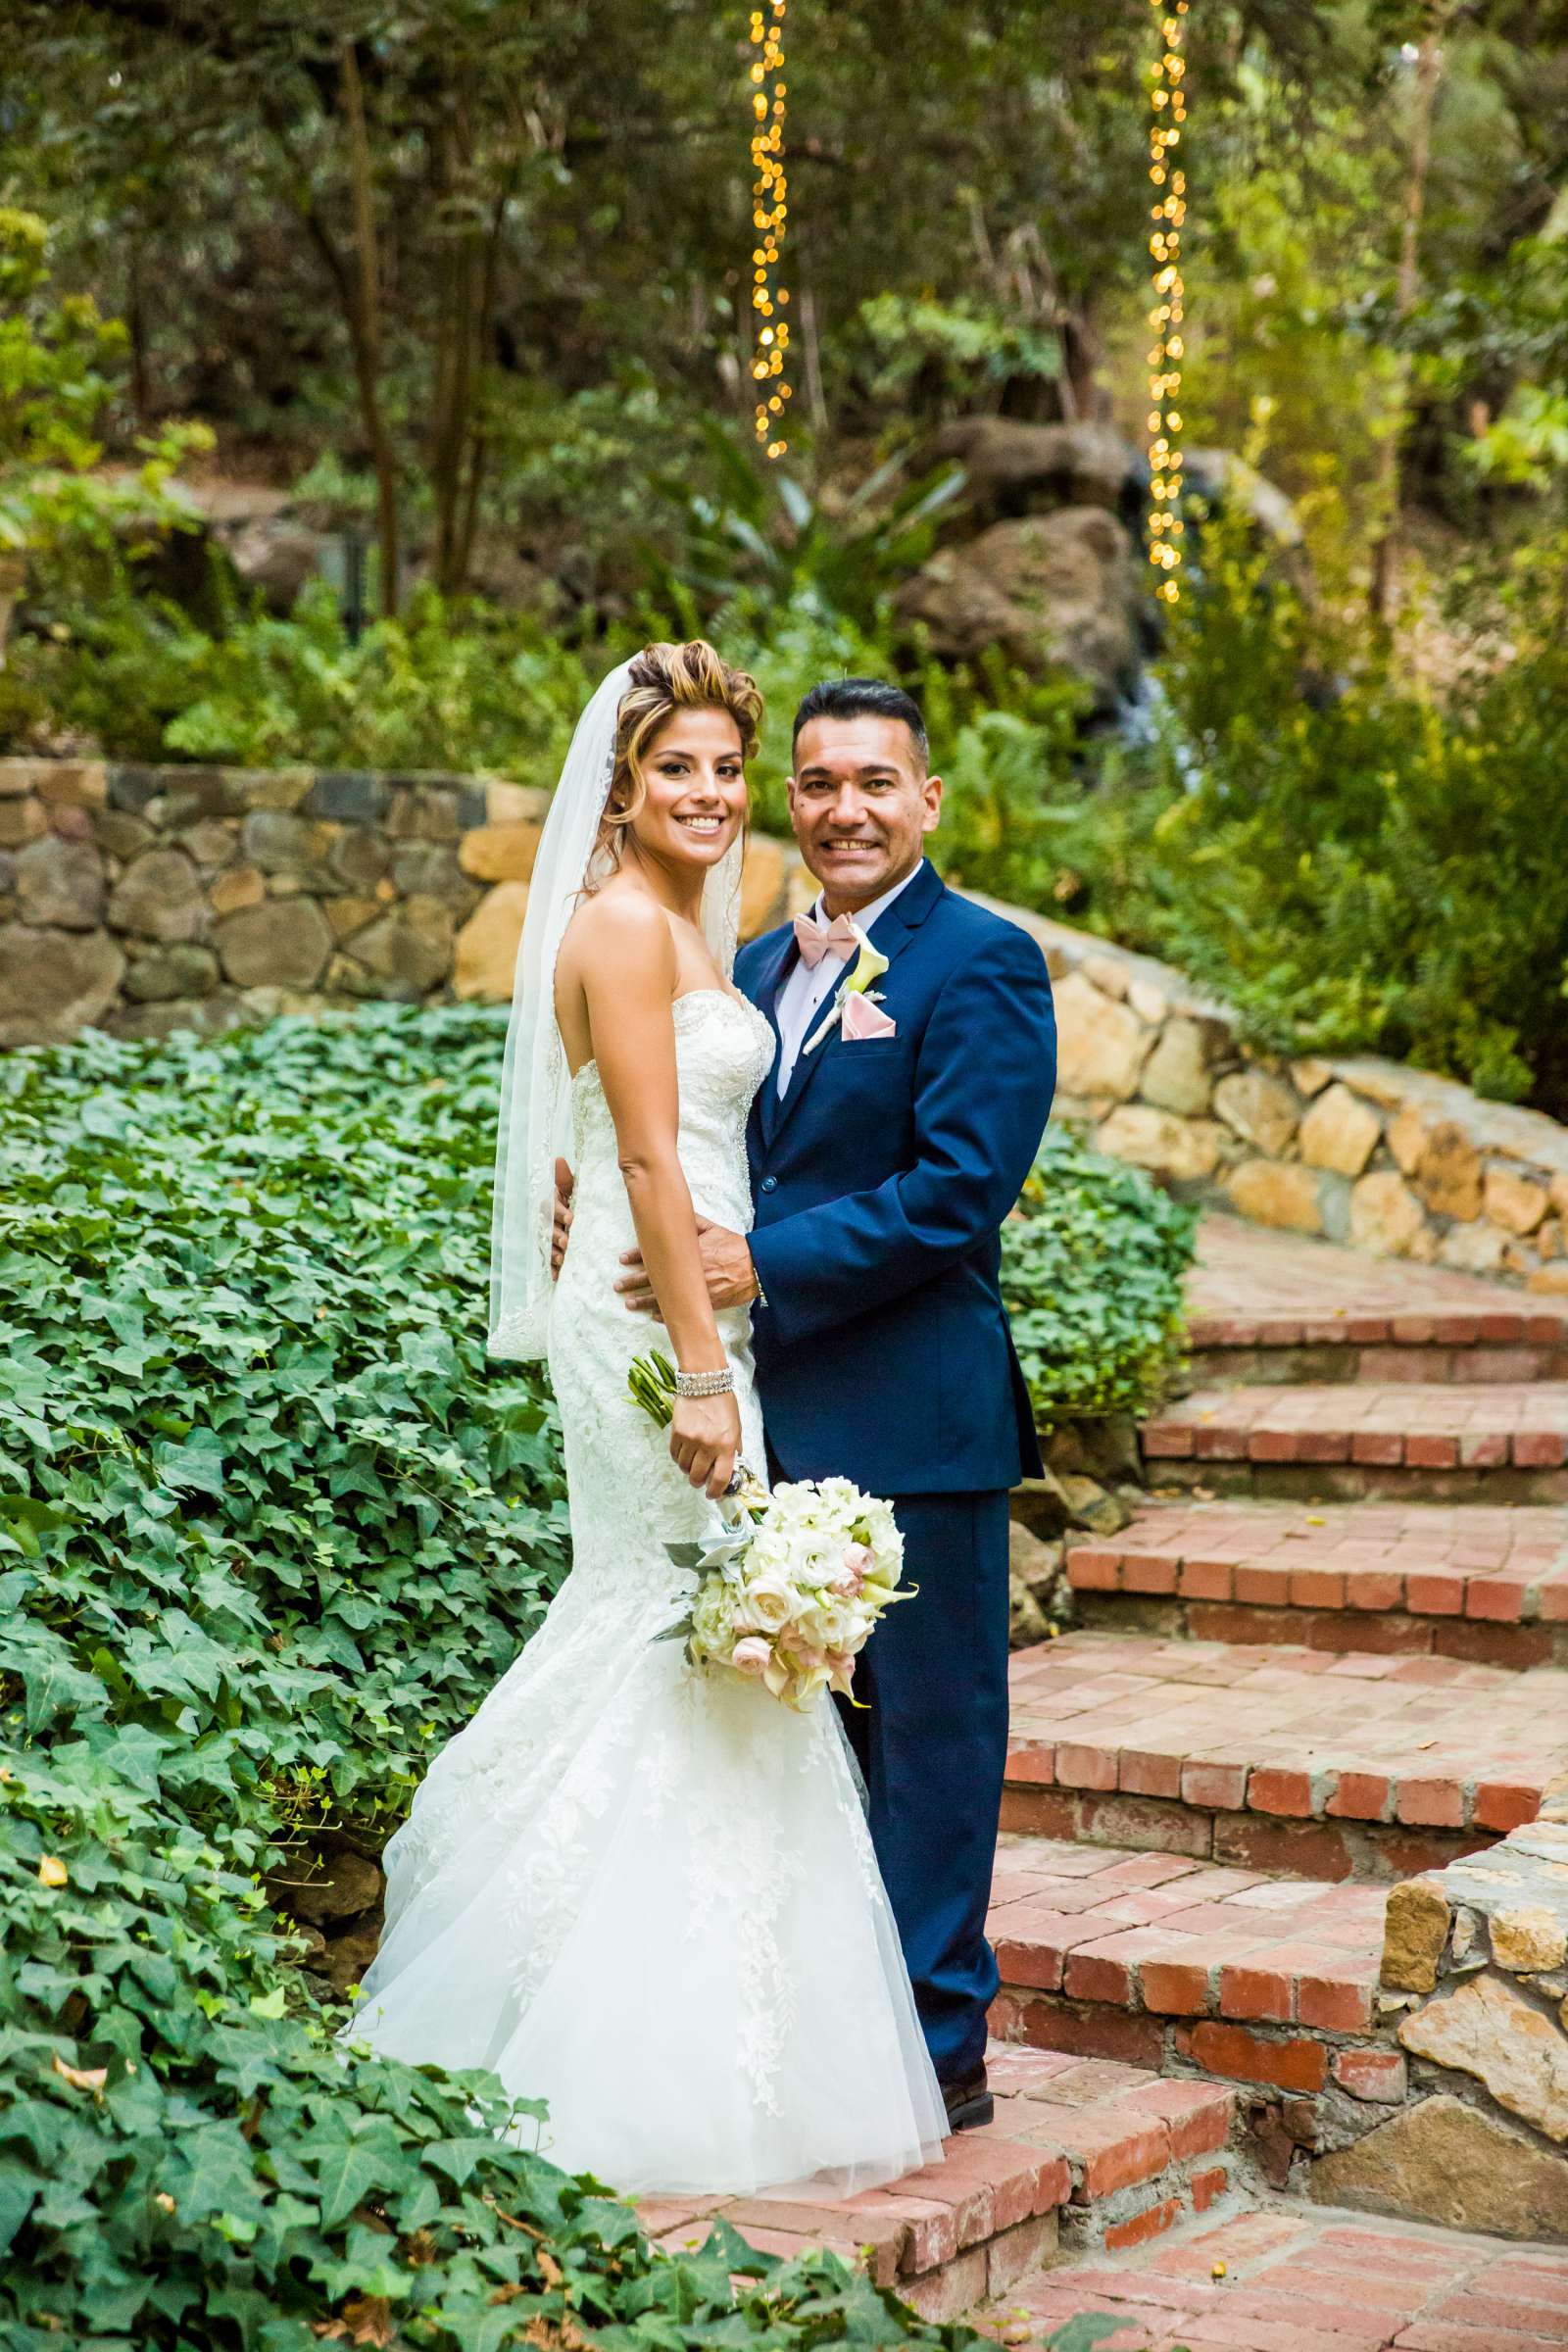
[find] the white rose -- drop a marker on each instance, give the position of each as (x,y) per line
(769,1601)
(712,1625)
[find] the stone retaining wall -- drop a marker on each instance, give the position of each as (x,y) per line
(1475,1969)
(1363,1152)
(141,900)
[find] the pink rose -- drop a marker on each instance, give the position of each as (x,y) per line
(753,1656)
(859,1562)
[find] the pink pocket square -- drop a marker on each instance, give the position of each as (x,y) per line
(861,1018)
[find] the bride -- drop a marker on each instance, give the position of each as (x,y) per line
(643,1894)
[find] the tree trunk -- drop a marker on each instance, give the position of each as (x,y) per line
(13,580)
(466,292)
(478,450)
(364,329)
(136,330)
(1428,79)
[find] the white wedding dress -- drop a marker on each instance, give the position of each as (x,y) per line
(641,1893)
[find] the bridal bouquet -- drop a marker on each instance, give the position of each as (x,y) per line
(792,1582)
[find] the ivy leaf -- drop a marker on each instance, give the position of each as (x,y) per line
(348,2160)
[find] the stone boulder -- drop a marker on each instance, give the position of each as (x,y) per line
(1184,1150)
(1485,2028)
(1102,1045)
(59,883)
(276,556)
(54,983)
(169,973)
(1443,2162)
(503,852)
(205,1016)
(1049,589)
(1026,1619)
(1012,468)
(328,1881)
(1223,479)
(1177,1076)
(410,949)
(487,943)
(282,942)
(1260,1110)
(159,897)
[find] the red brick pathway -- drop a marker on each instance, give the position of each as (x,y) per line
(1284,1732)
(1254,1287)
(1379,1560)
(1103,2153)
(1479,1425)
(1297,2282)
(1182,1938)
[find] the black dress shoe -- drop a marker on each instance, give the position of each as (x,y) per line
(968,2102)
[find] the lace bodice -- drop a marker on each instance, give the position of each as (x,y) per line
(724,1050)
(618,1466)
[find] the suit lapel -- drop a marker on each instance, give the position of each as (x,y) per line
(889,935)
(774,973)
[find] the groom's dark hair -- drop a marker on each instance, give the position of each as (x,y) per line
(864,697)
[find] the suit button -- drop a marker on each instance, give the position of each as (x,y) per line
(770,1183)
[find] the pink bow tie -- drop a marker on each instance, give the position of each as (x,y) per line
(838,939)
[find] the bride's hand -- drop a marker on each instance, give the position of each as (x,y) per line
(705,1439)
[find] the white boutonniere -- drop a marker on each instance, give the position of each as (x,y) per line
(869,966)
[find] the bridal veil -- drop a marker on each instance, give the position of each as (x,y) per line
(535,1083)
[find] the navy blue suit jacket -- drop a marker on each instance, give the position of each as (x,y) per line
(883,1352)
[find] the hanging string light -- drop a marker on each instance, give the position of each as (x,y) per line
(1167,114)
(770,218)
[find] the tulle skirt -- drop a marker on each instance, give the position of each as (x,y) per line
(648,1896)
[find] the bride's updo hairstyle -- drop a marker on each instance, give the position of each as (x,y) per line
(663,680)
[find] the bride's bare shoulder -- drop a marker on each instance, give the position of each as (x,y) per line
(622,932)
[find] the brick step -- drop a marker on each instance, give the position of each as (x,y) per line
(1264,1354)
(1191,1968)
(1277,1757)
(1268,1307)
(1467,1580)
(1502,1441)
(1083,2153)
(1281,2279)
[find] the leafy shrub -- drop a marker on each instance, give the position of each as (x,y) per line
(469,686)
(272,1508)
(941,359)
(1350,864)
(1092,1272)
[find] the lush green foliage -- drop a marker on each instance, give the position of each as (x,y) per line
(279,1517)
(1351,862)
(1092,1271)
(465,687)
(269,1526)
(55,354)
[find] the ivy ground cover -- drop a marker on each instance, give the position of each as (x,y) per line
(270,1527)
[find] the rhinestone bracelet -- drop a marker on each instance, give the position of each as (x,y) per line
(704,1384)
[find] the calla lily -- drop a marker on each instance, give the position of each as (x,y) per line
(869,966)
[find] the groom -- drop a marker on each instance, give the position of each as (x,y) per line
(885,1152)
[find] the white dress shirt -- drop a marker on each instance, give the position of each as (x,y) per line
(805,993)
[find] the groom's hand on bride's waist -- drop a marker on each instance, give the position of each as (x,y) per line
(561,1231)
(726,1262)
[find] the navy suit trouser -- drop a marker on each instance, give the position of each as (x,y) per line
(931,1740)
